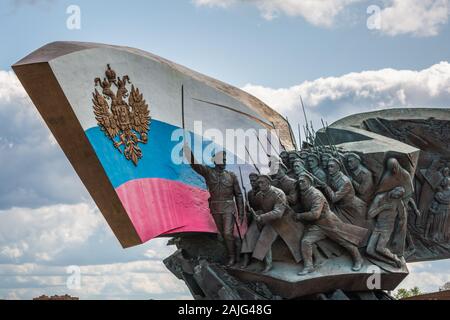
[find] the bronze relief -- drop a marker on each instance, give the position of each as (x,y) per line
(122,114)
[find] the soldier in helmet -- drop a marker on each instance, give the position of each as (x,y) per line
(298,167)
(321,223)
(275,221)
(313,162)
(361,177)
(293,156)
(303,154)
(285,183)
(251,195)
(253,231)
(225,197)
(342,196)
(324,158)
(284,156)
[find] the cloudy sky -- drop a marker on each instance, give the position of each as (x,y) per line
(342,56)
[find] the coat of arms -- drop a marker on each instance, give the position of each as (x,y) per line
(126,123)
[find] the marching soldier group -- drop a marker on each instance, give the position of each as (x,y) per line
(306,201)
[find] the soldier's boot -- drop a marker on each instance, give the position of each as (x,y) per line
(307,268)
(307,252)
(356,257)
(231,252)
(245,260)
(268,262)
(393,259)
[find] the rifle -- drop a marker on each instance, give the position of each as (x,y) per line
(291,133)
(279,139)
(262,146)
(250,156)
(335,151)
(307,132)
(247,203)
(245,197)
(299,136)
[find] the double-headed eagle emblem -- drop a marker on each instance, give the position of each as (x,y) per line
(127,120)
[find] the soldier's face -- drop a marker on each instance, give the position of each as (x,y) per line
(312,162)
(220,160)
(333,167)
(297,167)
(284,157)
(352,163)
(325,161)
(292,158)
(303,184)
(254,182)
(263,184)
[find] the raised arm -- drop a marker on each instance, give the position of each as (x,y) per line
(195,165)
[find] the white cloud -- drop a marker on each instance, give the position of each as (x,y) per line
(319,13)
(11,89)
(335,97)
(42,233)
(141,279)
(417,17)
(35,171)
(427,276)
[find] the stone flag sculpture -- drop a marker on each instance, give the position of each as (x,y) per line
(116,113)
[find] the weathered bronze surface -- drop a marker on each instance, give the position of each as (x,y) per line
(376,198)
(371,190)
(226,202)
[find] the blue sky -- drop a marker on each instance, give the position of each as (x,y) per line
(274,49)
(236,44)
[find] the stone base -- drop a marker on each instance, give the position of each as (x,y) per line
(283,280)
(199,263)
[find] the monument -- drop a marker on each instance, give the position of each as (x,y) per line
(335,218)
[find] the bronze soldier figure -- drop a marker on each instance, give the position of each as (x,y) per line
(298,167)
(275,221)
(303,154)
(286,184)
(324,158)
(225,197)
(361,177)
(251,195)
(253,230)
(396,176)
(313,162)
(293,156)
(322,223)
(284,156)
(341,194)
(390,214)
